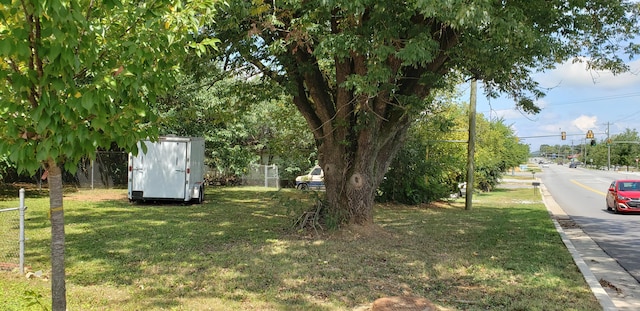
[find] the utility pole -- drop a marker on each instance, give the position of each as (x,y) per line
(471,147)
(585,152)
(608,149)
(573,152)
(584,155)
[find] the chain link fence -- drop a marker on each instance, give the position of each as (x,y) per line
(109,170)
(12,236)
(262,175)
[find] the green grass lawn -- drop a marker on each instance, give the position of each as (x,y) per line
(238,252)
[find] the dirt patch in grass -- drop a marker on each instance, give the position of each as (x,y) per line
(97,195)
(11,191)
(568,224)
(364,232)
(373,231)
(431,205)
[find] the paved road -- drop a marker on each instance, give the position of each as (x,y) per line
(608,243)
(581,194)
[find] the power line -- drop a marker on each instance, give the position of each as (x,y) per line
(580,101)
(628,116)
(594,99)
(555,135)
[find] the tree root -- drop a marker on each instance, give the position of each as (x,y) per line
(310,219)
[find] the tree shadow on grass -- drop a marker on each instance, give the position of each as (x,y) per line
(12,191)
(237,250)
(167,246)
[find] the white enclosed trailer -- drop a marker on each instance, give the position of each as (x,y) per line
(171,169)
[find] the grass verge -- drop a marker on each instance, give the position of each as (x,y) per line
(237,252)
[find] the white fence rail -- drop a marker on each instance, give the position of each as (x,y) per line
(7,231)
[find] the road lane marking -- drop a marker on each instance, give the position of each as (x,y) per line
(604,194)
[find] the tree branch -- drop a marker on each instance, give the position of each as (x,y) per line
(315,85)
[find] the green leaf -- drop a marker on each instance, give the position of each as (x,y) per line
(99,123)
(87,100)
(78,55)
(5,47)
(110,4)
(212,42)
(43,124)
(141,112)
(54,52)
(58,84)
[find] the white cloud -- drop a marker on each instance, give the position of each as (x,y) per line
(576,75)
(506,114)
(541,103)
(585,123)
(554,128)
(515,113)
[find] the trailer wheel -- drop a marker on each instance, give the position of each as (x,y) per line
(201,195)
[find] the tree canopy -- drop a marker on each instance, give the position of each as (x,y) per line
(77,75)
(433,161)
(243,120)
(361,71)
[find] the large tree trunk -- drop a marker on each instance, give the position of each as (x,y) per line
(353,172)
(58,288)
(357,137)
(350,191)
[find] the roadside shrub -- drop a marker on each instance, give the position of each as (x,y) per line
(412,179)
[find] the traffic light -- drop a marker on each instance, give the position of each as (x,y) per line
(590,134)
(564,135)
(593,142)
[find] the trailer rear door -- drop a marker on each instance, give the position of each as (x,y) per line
(161,172)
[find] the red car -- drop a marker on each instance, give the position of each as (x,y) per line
(624,196)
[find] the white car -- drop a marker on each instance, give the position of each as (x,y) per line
(313,180)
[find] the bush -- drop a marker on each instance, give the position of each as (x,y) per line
(411,179)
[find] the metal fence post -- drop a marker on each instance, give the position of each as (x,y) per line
(22,209)
(266,176)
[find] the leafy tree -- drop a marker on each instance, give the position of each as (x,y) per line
(215,109)
(243,121)
(427,167)
(433,161)
(497,150)
(4,166)
(564,151)
(547,150)
(557,151)
(78,75)
(283,135)
(406,179)
(623,151)
(361,71)
(515,153)
(487,160)
(597,155)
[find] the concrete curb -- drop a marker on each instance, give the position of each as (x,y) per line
(603,297)
(556,213)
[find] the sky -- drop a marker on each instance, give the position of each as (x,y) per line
(577,100)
